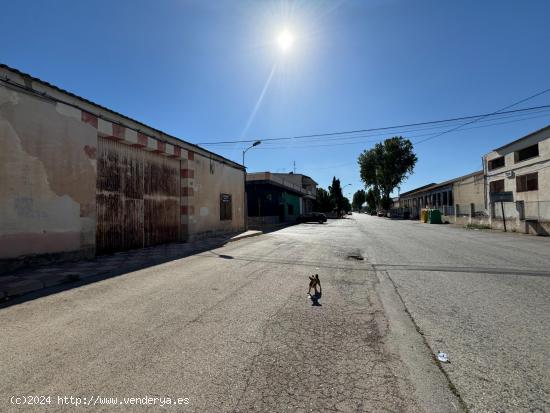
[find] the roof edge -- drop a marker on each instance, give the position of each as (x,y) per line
(87,101)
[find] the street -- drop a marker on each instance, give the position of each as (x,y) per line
(232,330)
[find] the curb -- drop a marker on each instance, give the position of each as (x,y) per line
(245,235)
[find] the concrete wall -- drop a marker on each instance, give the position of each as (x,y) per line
(470,190)
(48,172)
(47,178)
(536,204)
(211,179)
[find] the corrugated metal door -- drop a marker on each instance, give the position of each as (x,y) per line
(137,198)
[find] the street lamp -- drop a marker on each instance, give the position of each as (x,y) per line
(245,206)
(250,147)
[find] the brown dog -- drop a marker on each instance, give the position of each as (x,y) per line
(314,283)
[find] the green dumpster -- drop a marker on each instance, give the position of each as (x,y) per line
(434,216)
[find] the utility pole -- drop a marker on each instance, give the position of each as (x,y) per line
(294,169)
(245,201)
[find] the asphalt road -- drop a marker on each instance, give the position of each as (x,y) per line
(232,329)
(483,297)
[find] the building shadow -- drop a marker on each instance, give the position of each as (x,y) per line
(60,277)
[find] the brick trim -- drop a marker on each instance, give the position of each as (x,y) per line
(188,173)
(187,210)
(89,119)
(187,191)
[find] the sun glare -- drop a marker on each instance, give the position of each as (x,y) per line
(285,40)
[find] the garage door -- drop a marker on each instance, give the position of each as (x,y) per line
(137,198)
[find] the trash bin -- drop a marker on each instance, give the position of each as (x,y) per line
(434,216)
(424,215)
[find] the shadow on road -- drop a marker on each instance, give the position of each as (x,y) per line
(68,275)
(316,297)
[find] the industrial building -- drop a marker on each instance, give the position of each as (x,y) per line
(78,179)
(460,200)
(275,198)
(522,169)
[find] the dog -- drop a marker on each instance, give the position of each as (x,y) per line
(314,282)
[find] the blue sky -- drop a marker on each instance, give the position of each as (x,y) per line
(197,69)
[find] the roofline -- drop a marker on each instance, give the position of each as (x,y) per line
(66,92)
(276,184)
(430,187)
(522,138)
(290,173)
(417,189)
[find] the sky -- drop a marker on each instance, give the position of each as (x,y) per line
(213,71)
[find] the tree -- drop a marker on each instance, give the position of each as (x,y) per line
(372,199)
(347,206)
(335,191)
(359,198)
(323,202)
(385,166)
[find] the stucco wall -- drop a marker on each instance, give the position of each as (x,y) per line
(212,178)
(470,190)
(47,177)
(48,172)
(539,164)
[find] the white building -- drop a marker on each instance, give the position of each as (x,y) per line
(521,167)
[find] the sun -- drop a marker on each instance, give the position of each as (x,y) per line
(285,40)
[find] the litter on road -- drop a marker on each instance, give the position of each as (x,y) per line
(442,357)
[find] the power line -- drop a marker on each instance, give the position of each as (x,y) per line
(408,130)
(345,141)
(475,118)
(484,116)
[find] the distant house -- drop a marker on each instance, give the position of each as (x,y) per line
(521,167)
(274,198)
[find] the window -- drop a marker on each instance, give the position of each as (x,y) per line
(527,153)
(496,163)
(445,200)
(450,197)
(496,186)
(529,182)
(225,207)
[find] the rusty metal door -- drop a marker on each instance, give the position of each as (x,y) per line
(137,198)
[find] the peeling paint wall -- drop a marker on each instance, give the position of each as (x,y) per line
(47,177)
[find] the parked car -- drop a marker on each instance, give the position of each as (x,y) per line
(313,217)
(381,213)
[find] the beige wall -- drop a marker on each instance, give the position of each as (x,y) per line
(212,179)
(539,164)
(48,172)
(470,190)
(47,178)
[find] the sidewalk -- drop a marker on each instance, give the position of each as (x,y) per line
(71,274)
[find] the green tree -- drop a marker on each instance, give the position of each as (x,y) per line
(347,206)
(385,166)
(372,199)
(323,203)
(359,198)
(335,192)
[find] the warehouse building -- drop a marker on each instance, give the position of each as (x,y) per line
(78,179)
(521,169)
(461,200)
